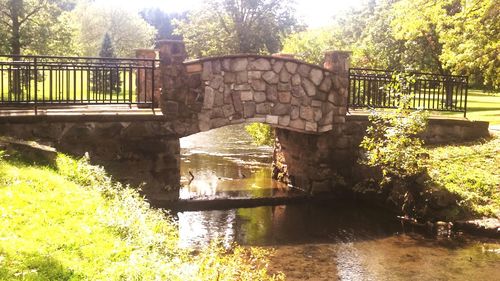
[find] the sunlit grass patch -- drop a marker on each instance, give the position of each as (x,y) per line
(73,223)
(471,171)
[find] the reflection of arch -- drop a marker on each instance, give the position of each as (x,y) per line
(209,93)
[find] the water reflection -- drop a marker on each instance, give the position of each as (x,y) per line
(343,242)
(225,163)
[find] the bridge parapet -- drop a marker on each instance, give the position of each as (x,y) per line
(208,93)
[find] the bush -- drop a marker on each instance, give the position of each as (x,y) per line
(391,142)
(262,134)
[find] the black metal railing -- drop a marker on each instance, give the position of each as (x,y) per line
(368,88)
(49,80)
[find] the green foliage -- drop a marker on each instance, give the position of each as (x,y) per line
(391,142)
(242,26)
(127,30)
(311,45)
(36,27)
(471,172)
(74,223)
(262,134)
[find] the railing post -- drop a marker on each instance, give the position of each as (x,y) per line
(35,68)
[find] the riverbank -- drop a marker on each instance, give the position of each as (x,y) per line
(66,220)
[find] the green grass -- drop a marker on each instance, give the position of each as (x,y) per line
(73,86)
(482,106)
(71,222)
(471,171)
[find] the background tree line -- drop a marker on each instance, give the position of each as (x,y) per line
(440,36)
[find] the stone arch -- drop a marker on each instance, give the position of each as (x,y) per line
(208,93)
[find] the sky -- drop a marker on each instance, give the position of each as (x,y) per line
(314,13)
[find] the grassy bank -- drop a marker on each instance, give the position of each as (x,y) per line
(70,222)
(472,172)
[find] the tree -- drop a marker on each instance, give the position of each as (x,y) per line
(311,45)
(162,22)
(462,37)
(238,26)
(36,26)
(127,30)
(109,77)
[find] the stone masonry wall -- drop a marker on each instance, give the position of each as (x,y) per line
(138,151)
(320,159)
(213,92)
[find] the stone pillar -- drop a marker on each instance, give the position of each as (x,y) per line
(144,79)
(339,62)
(174,76)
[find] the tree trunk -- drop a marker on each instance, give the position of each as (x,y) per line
(15,46)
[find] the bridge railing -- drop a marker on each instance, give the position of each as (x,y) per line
(31,81)
(368,88)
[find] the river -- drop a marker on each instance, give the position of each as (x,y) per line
(334,241)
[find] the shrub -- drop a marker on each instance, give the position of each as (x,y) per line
(262,134)
(391,142)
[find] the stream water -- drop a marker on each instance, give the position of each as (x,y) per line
(335,241)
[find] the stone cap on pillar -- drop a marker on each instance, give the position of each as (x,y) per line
(337,61)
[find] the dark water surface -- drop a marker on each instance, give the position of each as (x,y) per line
(338,241)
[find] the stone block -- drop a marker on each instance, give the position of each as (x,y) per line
(229,77)
(239,64)
(226,64)
(246,96)
(260,64)
(228,110)
(219,122)
(309,87)
(216,81)
(209,98)
(284,120)
(298,124)
(242,87)
(272,119)
(238,106)
(193,68)
(272,93)
(316,76)
(270,77)
(285,76)
(263,108)
(304,70)
(296,80)
(284,87)
(249,109)
(242,77)
(307,113)
(217,112)
(278,66)
(294,113)
(254,75)
(311,126)
(281,109)
(259,97)
(317,114)
(206,73)
(216,67)
(326,85)
(258,85)
(284,97)
(325,128)
(316,103)
(291,67)
(219,98)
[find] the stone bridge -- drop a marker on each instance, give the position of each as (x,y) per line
(305,103)
(208,93)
